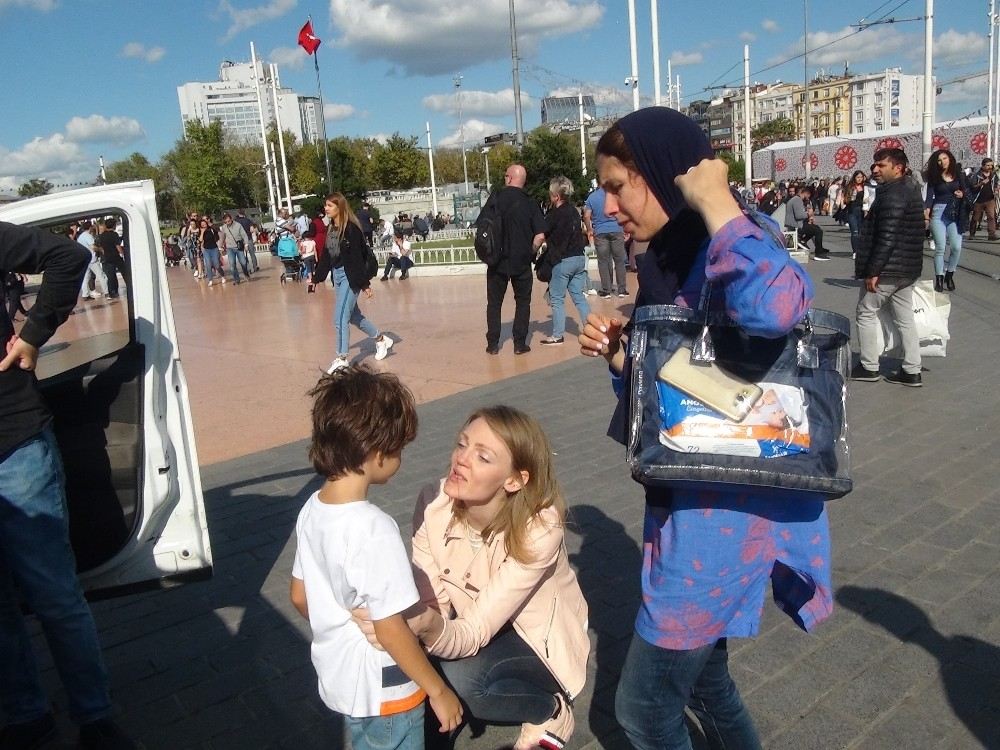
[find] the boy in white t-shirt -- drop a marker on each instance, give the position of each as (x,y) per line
(350,555)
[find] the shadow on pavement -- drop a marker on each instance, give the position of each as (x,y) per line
(969,668)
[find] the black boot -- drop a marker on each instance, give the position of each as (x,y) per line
(939,283)
(949,281)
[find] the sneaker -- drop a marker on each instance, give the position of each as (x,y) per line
(861,373)
(623,294)
(337,364)
(382,346)
(603,294)
(493,349)
(211,283)
(28,734)
(821,256)
(223,280)
(521,348)
(553,341)
(590,292)
(549,735)
(104,734)
(904,378)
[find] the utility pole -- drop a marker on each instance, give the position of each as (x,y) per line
(517,78)
(461,130)
(655,23)
(430,160)
(928,114)
(633,79)
(806,104)
(990,115)
(747,168)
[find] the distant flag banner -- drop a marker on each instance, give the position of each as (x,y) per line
(307,39)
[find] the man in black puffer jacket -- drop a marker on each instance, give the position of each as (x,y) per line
(889,260)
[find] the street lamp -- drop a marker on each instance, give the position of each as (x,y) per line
(461,130)
(486,156)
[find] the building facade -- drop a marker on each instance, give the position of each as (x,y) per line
(232,101)
(886,100)
(560,109)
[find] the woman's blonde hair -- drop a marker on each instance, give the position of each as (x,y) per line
(343,210)
(531,452)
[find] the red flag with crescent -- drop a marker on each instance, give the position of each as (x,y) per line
(307,39)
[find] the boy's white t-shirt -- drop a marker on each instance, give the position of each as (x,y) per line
(350,555)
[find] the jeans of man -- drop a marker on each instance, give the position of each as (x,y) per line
(945,233)
(496,289)
(111,274)
(94,271)
(346,312)
(213,263)
(657,683)
(569,274)
(869,303)
(402,731)
(36,560)
(854,219)
(989,210)
(611,257)
(812,232)
(234,255)
(504,682)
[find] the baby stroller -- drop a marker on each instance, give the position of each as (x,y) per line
(172,252)
(288,254)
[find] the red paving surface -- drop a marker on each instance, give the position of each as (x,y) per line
(251,352)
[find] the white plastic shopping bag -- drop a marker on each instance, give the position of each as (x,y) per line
(930,314)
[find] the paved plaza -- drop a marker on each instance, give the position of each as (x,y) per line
(910,658)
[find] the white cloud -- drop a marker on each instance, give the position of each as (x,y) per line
(484,103)
(101,129)
(53,158)
(42,5)
(333,112)
(288,57)
(678,58)
(241,19)
(834,48)
(955,48)
(462,35)
(747,36)
(475,131)
(141,52)
(768,25)
(382,138)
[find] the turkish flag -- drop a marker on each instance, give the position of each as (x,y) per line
(307,40)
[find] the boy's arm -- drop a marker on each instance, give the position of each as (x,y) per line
(297,593)
(397,638)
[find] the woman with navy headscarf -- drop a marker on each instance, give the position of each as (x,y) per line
(707,557)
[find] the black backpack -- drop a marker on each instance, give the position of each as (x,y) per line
(489,234)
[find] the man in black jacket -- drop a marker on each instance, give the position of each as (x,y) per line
(36,560)
(523,233)
(889,260)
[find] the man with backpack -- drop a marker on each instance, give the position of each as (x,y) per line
(516,231)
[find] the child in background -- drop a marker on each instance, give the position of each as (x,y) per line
(307,251)
(350,555)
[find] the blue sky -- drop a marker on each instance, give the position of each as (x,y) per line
(84,78)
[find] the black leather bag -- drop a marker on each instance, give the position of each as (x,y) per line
(543,267)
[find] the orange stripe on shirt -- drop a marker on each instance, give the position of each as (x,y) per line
(400,705)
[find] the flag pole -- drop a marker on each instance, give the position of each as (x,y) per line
(322,117)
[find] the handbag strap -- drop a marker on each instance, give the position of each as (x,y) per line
(817,317)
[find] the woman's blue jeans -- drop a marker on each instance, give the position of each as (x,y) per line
(569,274)
(854,219)
(36,560)
(504,683)
(212,262)
(346,311)
(945,233)
(657,683)
(402,731)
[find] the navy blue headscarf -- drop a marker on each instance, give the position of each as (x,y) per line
(665,144)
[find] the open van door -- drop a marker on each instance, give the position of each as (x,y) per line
(113,379)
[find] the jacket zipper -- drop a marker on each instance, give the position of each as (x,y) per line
(548,630)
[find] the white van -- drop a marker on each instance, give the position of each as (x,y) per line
(113,378)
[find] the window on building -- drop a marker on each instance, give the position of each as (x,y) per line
(859,114)
(860,129)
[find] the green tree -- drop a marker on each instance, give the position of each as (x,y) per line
(399,164)
(348,167)
(775,131)
(737,167)
(135,167)
(547,155)
(448,166)
(204,171)
(34,187)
